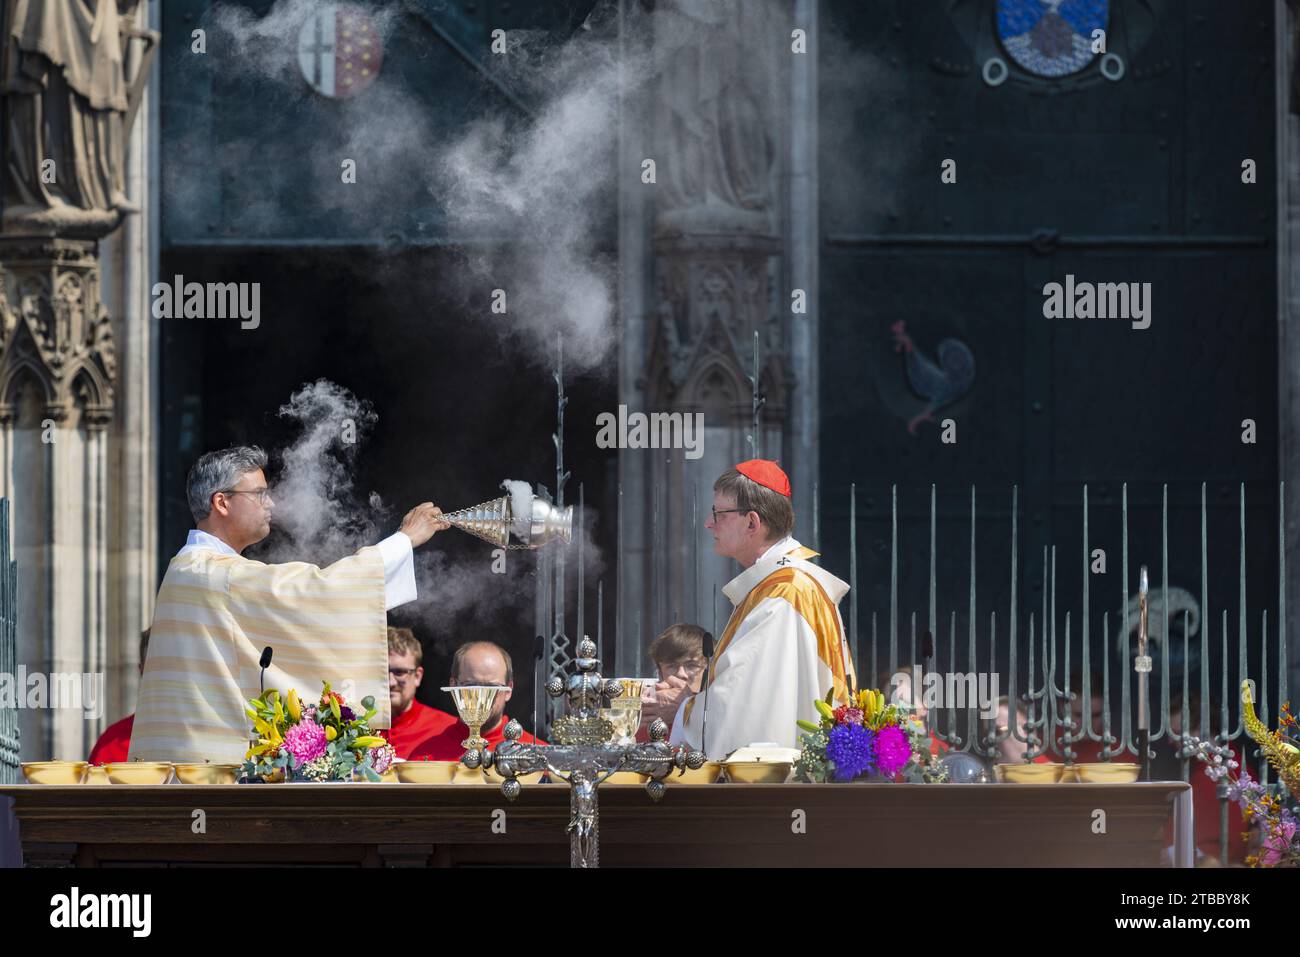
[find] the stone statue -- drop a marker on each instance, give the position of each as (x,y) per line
(68,107)
(716,64)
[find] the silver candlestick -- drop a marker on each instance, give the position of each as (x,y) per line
(582,755)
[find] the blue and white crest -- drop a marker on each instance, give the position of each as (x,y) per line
(1051,37)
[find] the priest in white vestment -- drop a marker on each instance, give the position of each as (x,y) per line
(784,645)
(217,611)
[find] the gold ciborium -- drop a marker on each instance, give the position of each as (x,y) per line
(474,702)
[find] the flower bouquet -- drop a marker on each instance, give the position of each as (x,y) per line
(864,739)
(1262,806)
(327,741)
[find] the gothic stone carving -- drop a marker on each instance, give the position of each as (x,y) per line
(54,329)
(710,303)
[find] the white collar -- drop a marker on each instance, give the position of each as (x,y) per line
(742,584)
(748,580)
(784,547)
(198,538)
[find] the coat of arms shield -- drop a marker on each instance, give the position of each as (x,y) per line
(1051,38)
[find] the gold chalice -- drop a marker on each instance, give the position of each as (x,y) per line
(474,702)
(625,709)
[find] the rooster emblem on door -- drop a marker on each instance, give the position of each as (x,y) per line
(938,384)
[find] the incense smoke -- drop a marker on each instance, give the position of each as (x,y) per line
(318,513)
(521,176)
(320,516)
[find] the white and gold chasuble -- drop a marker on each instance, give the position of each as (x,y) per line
(783,647)
(215,613)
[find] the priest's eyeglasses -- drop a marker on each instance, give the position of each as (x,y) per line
(723,511)
(262,493)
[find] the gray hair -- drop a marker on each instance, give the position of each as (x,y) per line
(218,472)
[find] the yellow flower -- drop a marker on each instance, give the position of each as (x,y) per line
(330,733)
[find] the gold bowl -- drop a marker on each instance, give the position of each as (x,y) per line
(426,772)
(1049,773)
(758,772)
(96,776)
(207,773)
(707,773)
(464,775)
(1104,772)
(54,772)
(627,777)
(139,772)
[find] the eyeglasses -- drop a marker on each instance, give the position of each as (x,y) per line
(692,667)
(262,493)
(401,674)
(723,511)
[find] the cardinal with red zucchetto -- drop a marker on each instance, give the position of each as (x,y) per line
(784,645)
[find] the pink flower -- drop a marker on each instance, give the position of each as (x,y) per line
(847,715)
(1277,843)
(892,750)
(382,757)
(305,741)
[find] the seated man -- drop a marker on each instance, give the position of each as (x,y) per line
(784,646)
(475,663)
(678,654)
(413,722)
(115,743)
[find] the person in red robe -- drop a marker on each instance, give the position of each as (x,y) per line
(413,722)
(475,663)
(115,743)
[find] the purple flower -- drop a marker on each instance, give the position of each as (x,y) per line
(852,748)
(892,750)
(346,713)
(305,741)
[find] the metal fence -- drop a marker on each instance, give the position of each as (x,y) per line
(1049,665)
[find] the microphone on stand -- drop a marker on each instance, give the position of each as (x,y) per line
(265,663)
(704,722)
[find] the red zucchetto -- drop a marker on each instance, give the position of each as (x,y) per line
(767,474)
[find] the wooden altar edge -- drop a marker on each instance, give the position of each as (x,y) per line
(895,824)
